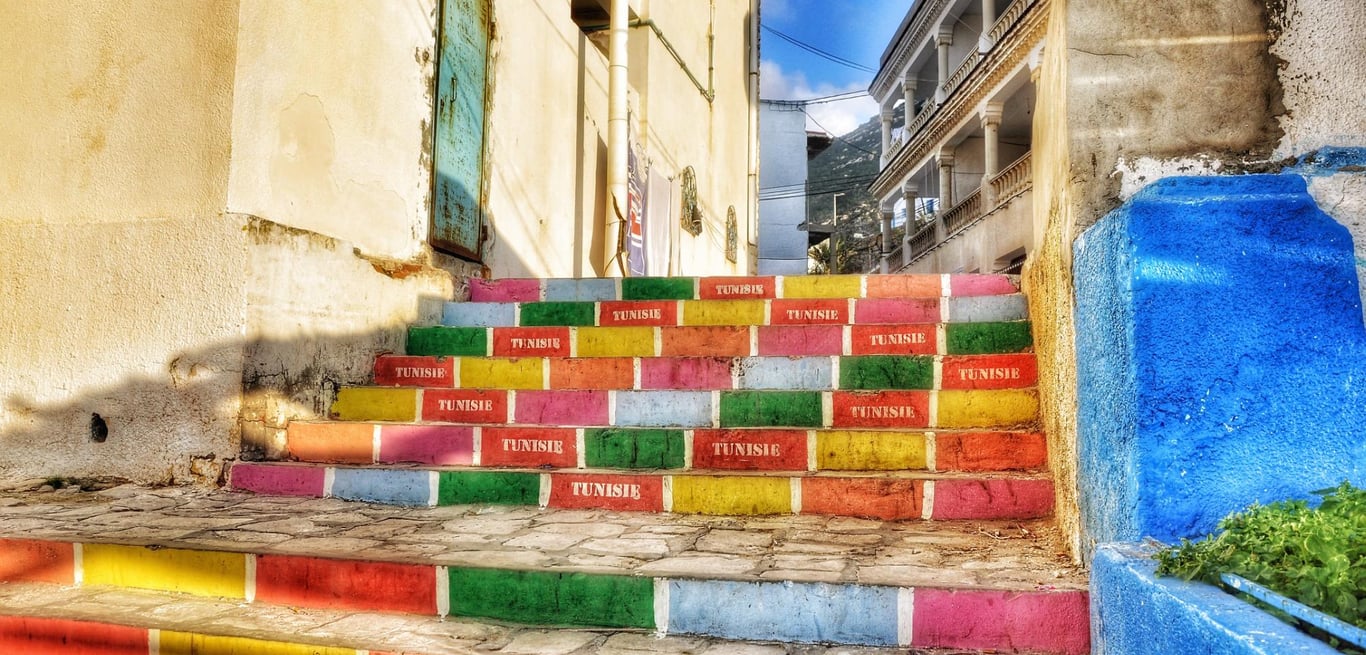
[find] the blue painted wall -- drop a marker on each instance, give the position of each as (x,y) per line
(1221,356)
(1134,612)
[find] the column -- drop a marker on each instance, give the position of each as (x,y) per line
(991,123)
(908,84)
(909,193)
(988,21)
(886,239)
(945,191)
(943,41)
(886,133)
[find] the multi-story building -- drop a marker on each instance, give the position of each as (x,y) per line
(960,163)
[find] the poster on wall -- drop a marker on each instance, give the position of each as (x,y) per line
(635,213)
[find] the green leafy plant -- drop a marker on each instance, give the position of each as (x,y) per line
(1316,556)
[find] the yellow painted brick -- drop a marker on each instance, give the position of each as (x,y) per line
(502,373)
(857,450)
(184,643)
(616,342)
(723,312)
(375,404)
(202,573)
(997,408)
(696,494)
(822,286)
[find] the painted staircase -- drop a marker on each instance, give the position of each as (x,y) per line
(836,459)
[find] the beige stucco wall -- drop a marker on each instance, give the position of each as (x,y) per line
(122,289)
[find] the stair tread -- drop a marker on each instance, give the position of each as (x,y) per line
(1024,555)
(366,630)
(827,473)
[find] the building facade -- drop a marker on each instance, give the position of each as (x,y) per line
(959,166)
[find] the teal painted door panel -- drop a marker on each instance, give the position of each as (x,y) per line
(460,91)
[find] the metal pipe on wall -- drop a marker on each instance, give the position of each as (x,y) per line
(753,173)
(615,220)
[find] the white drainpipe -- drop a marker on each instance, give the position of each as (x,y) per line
(615,225)
(753,173)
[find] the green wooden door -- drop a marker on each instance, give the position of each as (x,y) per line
(457,223)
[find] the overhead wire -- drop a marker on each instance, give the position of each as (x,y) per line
(818,52)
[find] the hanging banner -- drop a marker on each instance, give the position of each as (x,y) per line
(635,212)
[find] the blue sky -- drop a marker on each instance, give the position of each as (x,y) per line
(857,30)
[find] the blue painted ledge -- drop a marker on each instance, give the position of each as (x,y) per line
(1134,612)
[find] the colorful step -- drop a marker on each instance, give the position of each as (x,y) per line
(754,449)
(696,313)
(739,288)
(896,408)
(982,338)
(817,373)
(887,496)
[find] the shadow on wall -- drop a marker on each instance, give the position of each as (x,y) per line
(1221,356)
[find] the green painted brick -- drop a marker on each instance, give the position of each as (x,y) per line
(557,313)
(770,409)
(449,341)
(633,449)
(988,338)
(657,288)
(549,598)
(488,487)
(886,372)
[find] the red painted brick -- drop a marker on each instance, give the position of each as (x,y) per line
(750,450)
(834,311)
(22,560)
(796,340)
(896,310)
(685,373)
(413,371)
(347,443)
(878,498)
(617,313)
(465,405)
(531,342)
(643,493)
(735,288)
(529,447)
(1051,622)
(1013,371)
(37,636)
(881,409)
(705,341)
(992,499)
(344,584)
(905,286)
(989,451)
(592,373)
(893,340)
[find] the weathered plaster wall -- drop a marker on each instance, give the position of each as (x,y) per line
(1320,45)
(122,288)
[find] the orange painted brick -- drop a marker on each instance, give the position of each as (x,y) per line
(347,443)
(876,498)
(904,286)
(342,584)
(705,341)
(990,451)
(22,560)
(1012,371)
(596,373)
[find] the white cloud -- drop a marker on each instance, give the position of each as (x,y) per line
(838,117)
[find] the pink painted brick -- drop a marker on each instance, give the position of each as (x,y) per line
(277,479)
(896,310)
(794,340)
(992,499)
(442,445)
(561,408)
(981,285)
(1009,621)
(509,290)
(685,373)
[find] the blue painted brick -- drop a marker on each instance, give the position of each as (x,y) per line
(810,373)
(986,309)
(685,409)
(784,611)
(388,486)
(571,290)
(479,314)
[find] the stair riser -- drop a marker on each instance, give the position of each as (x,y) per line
(43,636)
(658,313)
(985,409)
(736,495)
(981,338)
(732,288)
(834,613)
(665,449)
(1013,371)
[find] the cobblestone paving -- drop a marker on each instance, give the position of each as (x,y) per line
(1010,555)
